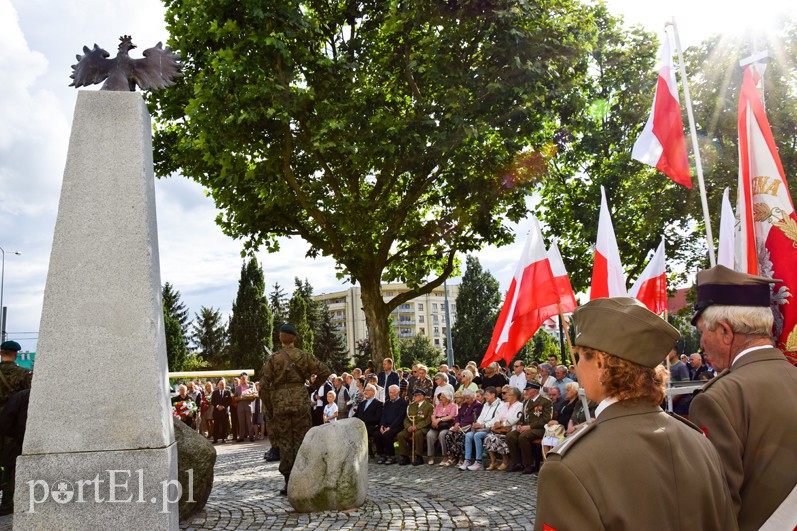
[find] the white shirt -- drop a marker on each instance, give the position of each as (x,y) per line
(518,380)
(748,351)
(440,389)
(606,402)
(488,415)
(550,382)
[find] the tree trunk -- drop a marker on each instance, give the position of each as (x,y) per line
(376,321)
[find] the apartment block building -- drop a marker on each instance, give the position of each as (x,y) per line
(424,315)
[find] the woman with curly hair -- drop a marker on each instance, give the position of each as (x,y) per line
(635,467)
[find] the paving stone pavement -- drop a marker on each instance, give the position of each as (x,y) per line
(245,496)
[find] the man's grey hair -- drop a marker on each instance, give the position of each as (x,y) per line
(394,386)
(372,387)
(561,367)
(744,320)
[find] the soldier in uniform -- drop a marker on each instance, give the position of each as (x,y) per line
(282,388)
(747,411)
(421,411)
(13,379)
(537,412)
(635,467)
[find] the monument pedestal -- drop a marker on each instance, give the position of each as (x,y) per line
(99,422)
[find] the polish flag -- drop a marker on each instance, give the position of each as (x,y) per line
(651,287)
(531,295)
(662,144)
(769,224)
(566,297)
(608,276)
(727,247)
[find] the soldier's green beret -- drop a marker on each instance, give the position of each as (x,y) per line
(419,392)
(10,345)
(532,385)
(287,328)
(625,328)
(726,287)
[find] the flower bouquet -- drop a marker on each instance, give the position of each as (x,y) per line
(249,395)
(184,409)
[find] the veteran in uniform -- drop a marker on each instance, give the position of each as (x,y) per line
(282,388)
(749,410)
(537,412)
(421,411)
(636,467)
(13,379)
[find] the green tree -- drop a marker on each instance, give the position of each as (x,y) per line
(209,336)
(540,347)
(278,304)
(313,307)
(384,135)
(297,315)
(176,351)
(419,349)
(328,345)
(250,325)
(395,351)
(362,353)
(478,302)
(175,307)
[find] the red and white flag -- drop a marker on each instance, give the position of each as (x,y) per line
(662,143)
(608,276)
(768,221)
(566,296)
(531,295)
(651,287)
(726,251)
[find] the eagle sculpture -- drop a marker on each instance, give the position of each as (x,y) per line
(158,69)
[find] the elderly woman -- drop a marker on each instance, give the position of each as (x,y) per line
(466,381)
(621,345)
(556,428)
(509,414)
(546,379)
(469,411)
(206,424)
(480,396)
(442,419)
(441,380)
(532,375)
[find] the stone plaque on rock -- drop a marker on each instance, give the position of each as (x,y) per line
(331,468)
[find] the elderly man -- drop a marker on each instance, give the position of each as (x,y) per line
(370,411)
(557,400)
(754,432)
(372,379)
(518,378)
(416,426)
(390,424)
(493,377)
(560,375)
(537,412)
(696,366)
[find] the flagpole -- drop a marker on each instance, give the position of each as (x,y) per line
(567,336)
(695,147)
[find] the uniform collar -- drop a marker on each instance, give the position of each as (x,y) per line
(748,351)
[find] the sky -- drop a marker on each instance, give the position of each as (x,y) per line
(38,43)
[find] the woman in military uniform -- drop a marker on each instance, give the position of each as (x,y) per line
(635,467)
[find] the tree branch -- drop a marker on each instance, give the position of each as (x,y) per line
(428,287)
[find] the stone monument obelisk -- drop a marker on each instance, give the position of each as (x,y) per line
(100,450)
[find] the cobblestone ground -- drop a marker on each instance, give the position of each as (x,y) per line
(245,496)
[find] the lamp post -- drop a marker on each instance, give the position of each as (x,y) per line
(2,282)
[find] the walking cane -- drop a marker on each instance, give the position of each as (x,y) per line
(412,419)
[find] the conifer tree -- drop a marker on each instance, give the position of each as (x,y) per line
(209,336)
(251,323)
(278,304)
(328,345)
(297,316)
(478,302)
(173,306)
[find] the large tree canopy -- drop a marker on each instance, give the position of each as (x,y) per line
(386,134)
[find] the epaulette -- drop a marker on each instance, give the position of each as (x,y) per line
(685,421)
(714,380)
(568,443)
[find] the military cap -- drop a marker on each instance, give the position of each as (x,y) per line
(10,345)
(287,328)
(419,392)
(726,287)
(532,385)
(625,328)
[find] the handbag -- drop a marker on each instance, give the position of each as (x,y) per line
(445,425)
(465,429)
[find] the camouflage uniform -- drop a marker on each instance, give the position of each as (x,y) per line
(13,379)
(285,399)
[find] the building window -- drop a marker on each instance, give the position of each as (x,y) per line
(420,318)
(434,306)
(420,306)
(436,331)
(437,343)
(435,319)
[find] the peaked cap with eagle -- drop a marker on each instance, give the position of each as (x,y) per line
(157,70)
